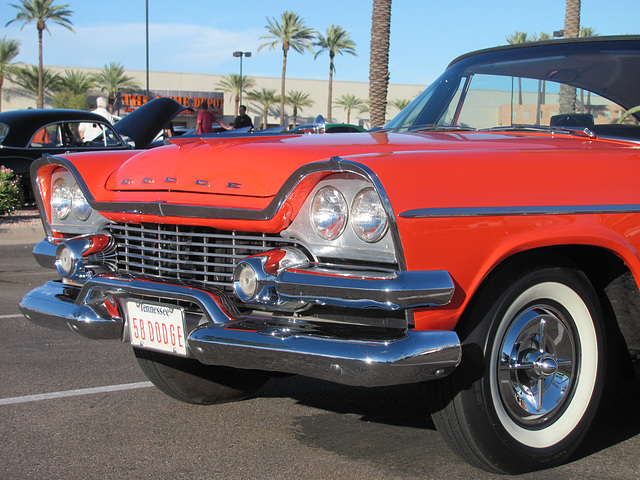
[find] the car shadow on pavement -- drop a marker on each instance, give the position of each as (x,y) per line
(617,420)
(401,405)
(388,412)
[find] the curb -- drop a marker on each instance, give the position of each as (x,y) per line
(22,227)
(18,235)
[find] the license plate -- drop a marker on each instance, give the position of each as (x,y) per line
(157,327)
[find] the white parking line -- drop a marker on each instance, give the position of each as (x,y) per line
(16,315)
(74,393)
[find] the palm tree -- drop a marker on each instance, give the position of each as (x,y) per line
(400,103)
(72,93)
(298,100)
(265,98)
(571,30)
(41,12)
(77,82)
(29,78)
(9,49)
(291,33)
(339,41)
(113,80)
(350,102)
(518,37)
(231,84)
(587,32)
(379,61)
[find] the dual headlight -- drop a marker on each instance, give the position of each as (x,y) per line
(65,199)
(330,214)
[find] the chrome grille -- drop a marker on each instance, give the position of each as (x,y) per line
(197,255)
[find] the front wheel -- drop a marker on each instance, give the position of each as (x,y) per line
(531,374)
(193,382)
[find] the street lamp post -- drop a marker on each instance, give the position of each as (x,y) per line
(241,54)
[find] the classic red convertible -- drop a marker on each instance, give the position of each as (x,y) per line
(484,241)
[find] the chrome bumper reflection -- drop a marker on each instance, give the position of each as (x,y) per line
(363,356)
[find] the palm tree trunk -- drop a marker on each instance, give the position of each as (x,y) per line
(264,117)
(571,30)
(379,61)
(284,74)
(40,98)
(330,94)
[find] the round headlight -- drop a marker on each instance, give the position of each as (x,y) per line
(329,213)
(368,218)
(81,207)
(61,199)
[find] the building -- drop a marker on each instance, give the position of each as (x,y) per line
(191,88)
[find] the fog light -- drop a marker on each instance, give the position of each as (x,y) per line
(65,262)
(245,281)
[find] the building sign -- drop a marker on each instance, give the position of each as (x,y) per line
(193,100)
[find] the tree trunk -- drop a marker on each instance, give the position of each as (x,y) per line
(285,49)
(571,30)
(330,94)
(379,61)
(40,98)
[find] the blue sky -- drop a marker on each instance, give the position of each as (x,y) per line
(199,36)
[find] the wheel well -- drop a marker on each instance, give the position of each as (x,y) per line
(613,282)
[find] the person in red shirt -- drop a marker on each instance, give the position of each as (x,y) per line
(206,119)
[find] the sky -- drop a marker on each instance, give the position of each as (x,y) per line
(200,36)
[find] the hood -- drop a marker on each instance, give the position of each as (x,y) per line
(145,122)
(259,166)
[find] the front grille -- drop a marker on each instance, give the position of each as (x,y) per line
(201,256)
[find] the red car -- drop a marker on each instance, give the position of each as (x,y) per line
(483,242)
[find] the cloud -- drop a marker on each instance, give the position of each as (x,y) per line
(172,47)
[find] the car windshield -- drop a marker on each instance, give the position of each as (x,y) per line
(518,94)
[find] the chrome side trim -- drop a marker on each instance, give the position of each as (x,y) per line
(519,211)
(363,356)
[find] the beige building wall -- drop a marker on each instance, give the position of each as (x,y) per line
(14,98)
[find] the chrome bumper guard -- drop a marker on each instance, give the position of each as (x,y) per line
(281,344)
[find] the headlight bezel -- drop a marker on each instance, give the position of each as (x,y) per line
(348,247)
(72,224)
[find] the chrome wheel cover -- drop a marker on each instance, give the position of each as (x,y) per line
(537,366)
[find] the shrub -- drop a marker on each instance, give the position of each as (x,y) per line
(11,196)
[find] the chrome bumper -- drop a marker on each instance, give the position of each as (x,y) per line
(365,356)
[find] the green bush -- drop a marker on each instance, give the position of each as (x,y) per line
(11,195)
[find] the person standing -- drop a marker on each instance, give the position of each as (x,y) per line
(206,119)
(242,120)
(90,131)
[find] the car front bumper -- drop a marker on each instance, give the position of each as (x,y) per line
(356,355)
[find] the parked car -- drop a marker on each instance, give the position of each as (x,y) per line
(483,242)
(320,126)
(26,135)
